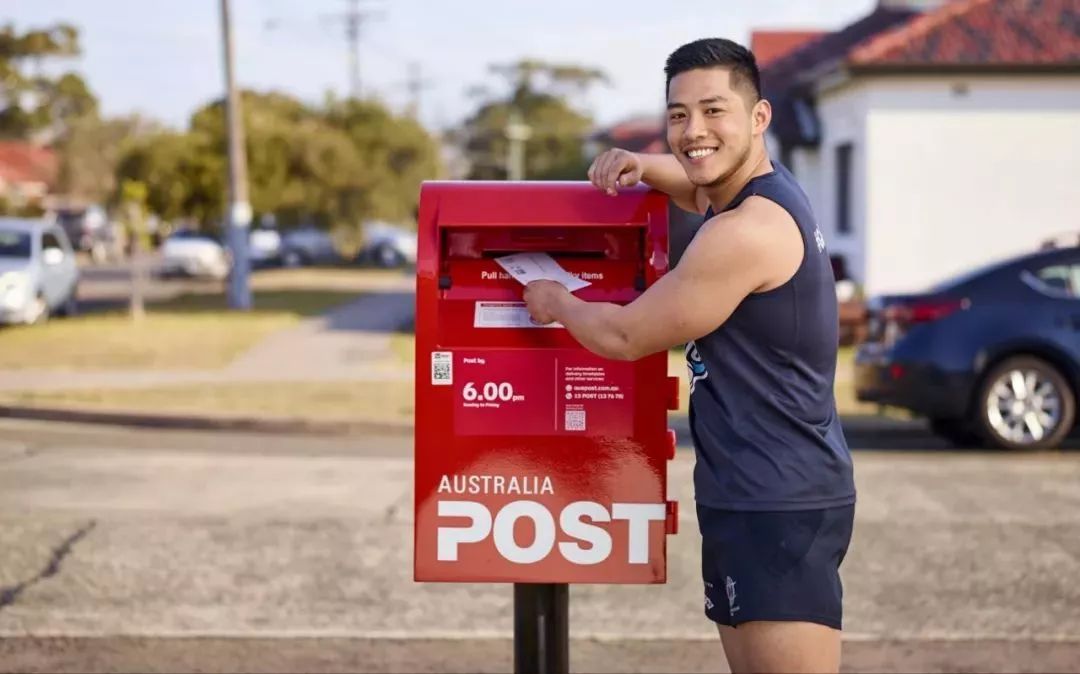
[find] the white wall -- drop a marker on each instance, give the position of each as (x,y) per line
(965,170)
(843,115)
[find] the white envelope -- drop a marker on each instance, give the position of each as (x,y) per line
(529,267)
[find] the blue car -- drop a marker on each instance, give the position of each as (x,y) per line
(990,357)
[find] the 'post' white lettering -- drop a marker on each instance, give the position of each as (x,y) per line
(450,537)
(572,524)
(638,516)
(504,532)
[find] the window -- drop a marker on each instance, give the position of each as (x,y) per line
(1057,280)
(49,240)
(843,188)
(14,244)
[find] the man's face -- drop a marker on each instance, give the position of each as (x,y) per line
(709,124)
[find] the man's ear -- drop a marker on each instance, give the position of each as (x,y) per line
(762,116)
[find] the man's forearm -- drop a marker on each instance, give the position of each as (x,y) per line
(665,173)
(597,326)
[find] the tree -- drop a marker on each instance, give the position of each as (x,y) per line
(34,103)
(90,151)
(183,174)
(334,165)
(397,152)
(539,93)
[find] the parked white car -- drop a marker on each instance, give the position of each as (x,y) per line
(264,245)
(38,273)
(387,245)
(195,254)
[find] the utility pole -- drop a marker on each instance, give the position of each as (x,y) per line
(354,19)
(517,132)
(416,85)
(239,209)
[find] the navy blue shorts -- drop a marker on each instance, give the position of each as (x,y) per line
(782,566)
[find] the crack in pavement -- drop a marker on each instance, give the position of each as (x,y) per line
(9,595)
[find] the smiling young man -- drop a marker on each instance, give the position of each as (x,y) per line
(754,300)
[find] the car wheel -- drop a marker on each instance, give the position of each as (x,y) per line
(387,257)
(71,305)
(957,431)
(292,258)
(1025,403)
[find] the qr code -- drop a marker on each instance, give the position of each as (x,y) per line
(442,371)
(575,420)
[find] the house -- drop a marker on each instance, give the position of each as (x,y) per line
(27,173)
(933,136)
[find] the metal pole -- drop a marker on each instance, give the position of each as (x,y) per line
(239,209)
(352,32)
(541,628)
(517,132)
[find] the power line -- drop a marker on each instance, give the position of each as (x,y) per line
(354,19)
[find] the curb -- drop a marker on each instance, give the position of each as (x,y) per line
(205,423)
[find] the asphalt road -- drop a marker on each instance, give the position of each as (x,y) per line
(107,287)
(139,550)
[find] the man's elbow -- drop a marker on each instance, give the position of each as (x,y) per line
(623,347)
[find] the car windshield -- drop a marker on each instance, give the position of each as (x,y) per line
(14,244)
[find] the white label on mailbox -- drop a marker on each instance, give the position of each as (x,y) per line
(529,267)
(442,368)
(505,315)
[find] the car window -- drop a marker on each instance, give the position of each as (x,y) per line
(14,244)
(1061,279)
(49,240)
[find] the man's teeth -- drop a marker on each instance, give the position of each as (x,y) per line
(698,154)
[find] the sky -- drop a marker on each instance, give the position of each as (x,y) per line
(163,58)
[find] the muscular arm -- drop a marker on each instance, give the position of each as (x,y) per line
(756,247)
(664,172)
(620,168)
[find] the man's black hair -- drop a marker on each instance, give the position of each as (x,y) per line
(714,52)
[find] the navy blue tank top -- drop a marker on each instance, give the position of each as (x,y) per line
(762,407)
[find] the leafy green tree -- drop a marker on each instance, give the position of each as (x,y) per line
(31,102)
(90,151)
(396,153)
(540,95)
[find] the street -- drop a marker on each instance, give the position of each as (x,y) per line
(108,286)
(150,550)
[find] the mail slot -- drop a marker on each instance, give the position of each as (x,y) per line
(536,461)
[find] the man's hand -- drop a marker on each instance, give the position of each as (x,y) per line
(616,168)
(542,298)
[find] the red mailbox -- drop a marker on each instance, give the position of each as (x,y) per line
(536,460)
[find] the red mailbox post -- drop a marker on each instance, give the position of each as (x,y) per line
(537,462)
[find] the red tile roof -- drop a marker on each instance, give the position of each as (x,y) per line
(770,45)
(641,134)
(25,163)
(981,33)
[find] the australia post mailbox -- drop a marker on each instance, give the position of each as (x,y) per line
(536,460)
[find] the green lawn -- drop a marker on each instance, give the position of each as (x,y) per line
(193,331)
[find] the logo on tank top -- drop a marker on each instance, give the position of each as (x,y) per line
(820,239)
(694,366)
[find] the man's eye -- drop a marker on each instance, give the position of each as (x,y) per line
(678,116)
(713,111)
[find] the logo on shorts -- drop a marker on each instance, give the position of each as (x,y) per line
(708,602)
(729,587)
